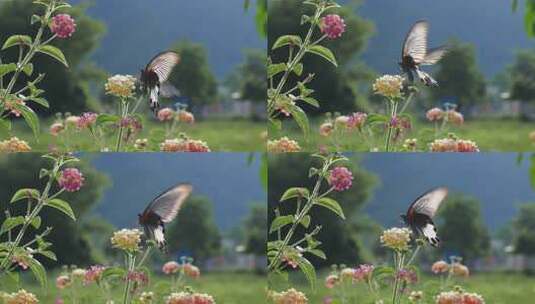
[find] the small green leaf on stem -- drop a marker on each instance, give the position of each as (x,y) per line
(332,205)
(295,192)
(11,223)
(17,40)
(62,206)
(29,116)
(308,270)
(305,221)
(28,69)
(287,40)
(280,222)
(274,69)
(36,222)
(319,253)
(323,52)
(25,193)
(7,68)
(300,118)
(53,52)
(38,270)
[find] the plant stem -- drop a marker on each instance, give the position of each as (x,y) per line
(28,219)
(124,113)
(393,114)
(131,264)
(293,62)
(274,264)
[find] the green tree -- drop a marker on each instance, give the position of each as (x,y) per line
(255,230)
(524,225)
(523,76)
(336,88)
(67,89)
(193,76)
(459,77)
(341,240)
(71,244)
(462,229)
(194,230)
(252,76)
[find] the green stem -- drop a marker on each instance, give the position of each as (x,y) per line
(275,262)
(393,113)
(131,264)
(124,114)
(293,62)
(29,219)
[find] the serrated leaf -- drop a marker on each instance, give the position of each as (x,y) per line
(308,270)
(287,40)
(323,52)
(281,221)
(11,222)
(62,206)
(305,221)
(17,40)
(295,192)
(25,193)
(28,69)
(332,205)
(38,271)
(53,52)
(274,69)
(7,68)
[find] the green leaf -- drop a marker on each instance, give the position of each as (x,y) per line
(287,40)
(281,221)
(298,69)
(41,101)
(62,206)
(311,101)
(382,272)
(53,52)
(320,254)
(300,118)
(28,69)
(49,254)
(295,192)
(113,272)
(323,52)
(30,117)
(25,193)
(305,221)
(332,205)
(38,270)
(36,222)
(308,270)
(10,223)
(17,40)
(274,69)
(35,19)
(376,118)
(7,68)
(107,118)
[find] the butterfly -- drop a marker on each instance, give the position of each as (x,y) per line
(420,215)
(163,210)
(415,53)
(155,75)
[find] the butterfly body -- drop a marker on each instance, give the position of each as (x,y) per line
(155,76)
(162,210)
(419,216)
(415,54)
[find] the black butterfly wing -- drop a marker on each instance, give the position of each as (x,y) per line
(422,210)
(428,203)
(163,64)
(167,204)
(415,44)
(434,55)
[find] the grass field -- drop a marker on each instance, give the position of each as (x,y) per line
(221,135)
(496,288)
(226,288)
(490,135)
